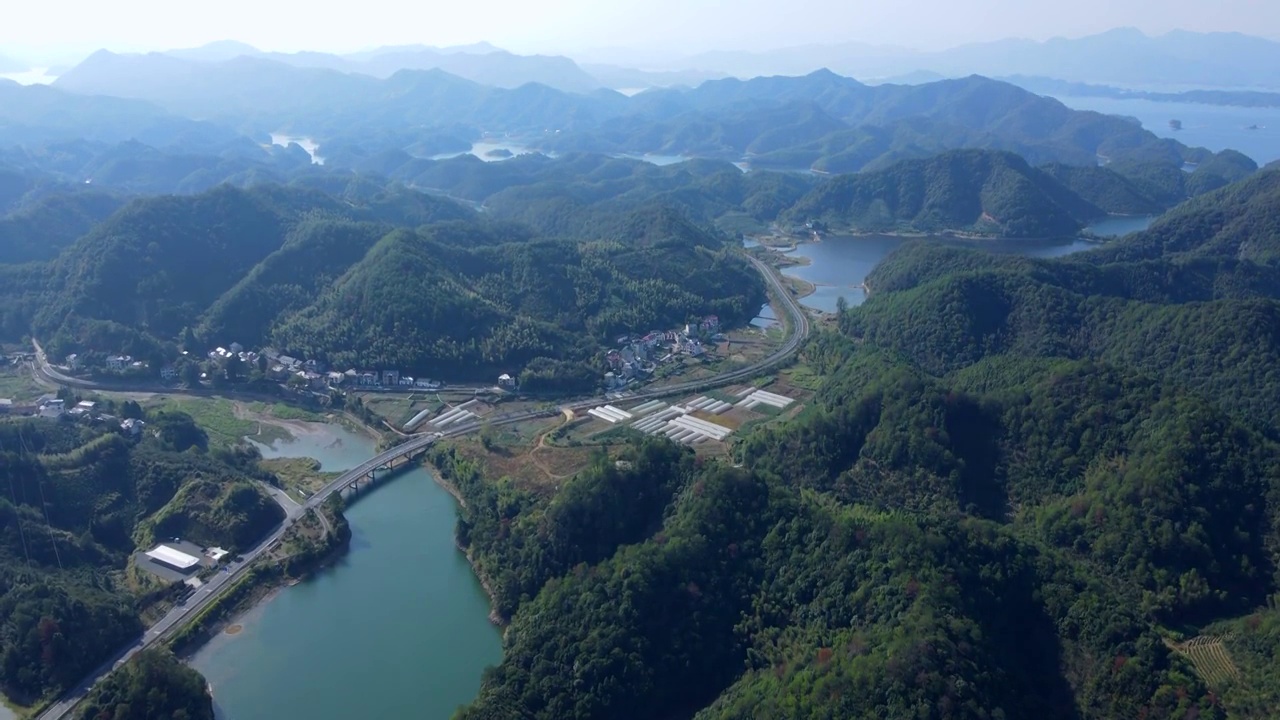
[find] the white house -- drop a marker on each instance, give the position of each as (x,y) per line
(118,362)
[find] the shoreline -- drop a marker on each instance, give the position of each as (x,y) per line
(449,487)
(239,611)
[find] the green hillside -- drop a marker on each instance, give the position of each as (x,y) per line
(429,304)
(1021,487)
(83,499)
(967,190)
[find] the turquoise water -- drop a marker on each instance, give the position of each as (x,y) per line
(397,628)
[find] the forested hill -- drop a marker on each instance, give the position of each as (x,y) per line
(1021,489)
(1241,221)
(979,191)
(1194,299)
(400,280)
(434,303)
(84,499)
(820,121)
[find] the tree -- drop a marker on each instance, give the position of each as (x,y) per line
(190,374)
(130,409)
(235,368)
(188,340)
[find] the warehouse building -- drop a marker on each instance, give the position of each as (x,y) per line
(174,559)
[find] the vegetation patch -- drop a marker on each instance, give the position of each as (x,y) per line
(226,422)
(299,474)
(1208,655)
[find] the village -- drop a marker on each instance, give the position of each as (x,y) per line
(405,402)
(637,359)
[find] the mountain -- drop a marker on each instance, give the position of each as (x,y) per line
(199,89)
(41,230)
(32,114)
(448,302)
(1020,488)
(1237,222)
(822,120)
(218,51)
(265,95)
(481,63)
(106,497)
(1124,56)
(351,281)
(496,68)
(832,123)
(1105,188)
(1172,301)
(969,190)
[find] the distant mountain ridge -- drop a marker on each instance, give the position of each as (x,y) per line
(482,63)
(1123,56)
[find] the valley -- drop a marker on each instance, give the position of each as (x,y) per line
(449,382)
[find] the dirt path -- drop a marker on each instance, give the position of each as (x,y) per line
(542,445)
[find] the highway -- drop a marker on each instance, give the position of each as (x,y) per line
(180,615)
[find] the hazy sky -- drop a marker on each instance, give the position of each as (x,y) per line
(35,27)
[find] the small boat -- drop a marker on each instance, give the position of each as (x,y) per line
(1175,124)
(1252,127)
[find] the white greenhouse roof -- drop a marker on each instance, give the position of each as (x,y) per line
(170,556)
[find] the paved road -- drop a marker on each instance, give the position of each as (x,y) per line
(799,326)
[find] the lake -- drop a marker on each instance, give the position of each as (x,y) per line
(34,76)
(305,143)
(398,627)
(1216,127)
(336,447)
(840,263)
(1118,225)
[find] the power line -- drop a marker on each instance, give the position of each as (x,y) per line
(44,506)
(17,512)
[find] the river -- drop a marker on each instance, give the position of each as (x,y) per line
(839,265)
(398,627)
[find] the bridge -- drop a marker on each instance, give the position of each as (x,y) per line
(178,617)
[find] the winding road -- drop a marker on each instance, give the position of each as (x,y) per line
(178,617)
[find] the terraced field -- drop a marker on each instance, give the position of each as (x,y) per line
(1209,657)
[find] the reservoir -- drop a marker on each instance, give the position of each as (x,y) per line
(840,263)
(1120,225)
(398,627)
(1216,127)
(305,143)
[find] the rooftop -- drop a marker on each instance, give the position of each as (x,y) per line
(170,556)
